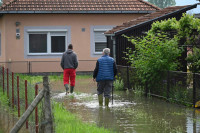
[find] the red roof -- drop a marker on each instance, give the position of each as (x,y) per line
(78,5)
(146,18)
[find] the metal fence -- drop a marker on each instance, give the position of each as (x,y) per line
(176,86)
(20,94)
(44,66)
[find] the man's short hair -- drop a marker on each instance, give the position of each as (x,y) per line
(70,46)
(106,51)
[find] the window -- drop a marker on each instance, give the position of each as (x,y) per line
(47,42)
(37,43)
(100,40)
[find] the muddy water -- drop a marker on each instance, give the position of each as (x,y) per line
(133,114)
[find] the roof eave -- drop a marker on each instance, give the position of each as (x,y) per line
(149,21)
(76,12)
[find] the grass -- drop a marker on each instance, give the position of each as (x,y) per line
(38,79)
(66,122)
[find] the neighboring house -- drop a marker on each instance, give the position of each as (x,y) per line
(137,27)
(197,15)
(35,33)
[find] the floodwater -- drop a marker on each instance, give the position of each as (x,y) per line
(130,113)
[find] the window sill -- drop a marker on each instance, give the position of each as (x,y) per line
(44,54)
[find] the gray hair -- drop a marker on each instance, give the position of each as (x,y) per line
(106,51)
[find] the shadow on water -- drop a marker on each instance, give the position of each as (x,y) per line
(133,114)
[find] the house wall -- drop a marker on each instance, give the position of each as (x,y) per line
(14,50)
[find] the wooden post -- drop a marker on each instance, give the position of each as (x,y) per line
(47,109)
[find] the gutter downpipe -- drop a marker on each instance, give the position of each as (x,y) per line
(112,37)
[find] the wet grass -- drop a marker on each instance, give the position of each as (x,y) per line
(38,79)
(66,122)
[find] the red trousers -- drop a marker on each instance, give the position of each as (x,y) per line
(69,75)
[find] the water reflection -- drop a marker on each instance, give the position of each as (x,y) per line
(133,114)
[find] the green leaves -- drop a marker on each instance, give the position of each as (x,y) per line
(194,60)
(153,54)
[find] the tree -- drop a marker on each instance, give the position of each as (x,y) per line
(163,3)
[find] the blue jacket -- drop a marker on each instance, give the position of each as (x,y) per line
(105,69)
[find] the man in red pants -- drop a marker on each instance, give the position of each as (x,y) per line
(69,63)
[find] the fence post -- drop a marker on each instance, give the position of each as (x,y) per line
(7,84)
(12,90)
(47,109)
(128,82)
(168,83)
(18,96)
(194,89)
(3,79)
(36,110)
(26,101)
(146,88)
(29,67)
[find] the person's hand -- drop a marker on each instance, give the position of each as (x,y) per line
(94,80)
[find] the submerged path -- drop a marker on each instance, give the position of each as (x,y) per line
(129,113)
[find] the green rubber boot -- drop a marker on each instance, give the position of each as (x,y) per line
(106,101)
(100,98)
(71,89)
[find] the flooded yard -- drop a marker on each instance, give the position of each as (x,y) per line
(127,113)
(130,113)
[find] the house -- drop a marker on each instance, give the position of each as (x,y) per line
(137,27)
(197,15)
(35,33)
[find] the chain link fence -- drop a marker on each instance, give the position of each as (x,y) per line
(175,86)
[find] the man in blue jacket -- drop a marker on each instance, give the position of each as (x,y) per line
(104,74)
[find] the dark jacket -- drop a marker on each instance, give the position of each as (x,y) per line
(105,69)
(69,60)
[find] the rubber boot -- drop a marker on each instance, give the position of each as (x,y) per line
(106,101)
(71,89)
(100,98)
(66,88)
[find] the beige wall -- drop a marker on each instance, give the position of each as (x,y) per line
(14,48)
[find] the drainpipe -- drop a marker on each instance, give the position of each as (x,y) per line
(114,46)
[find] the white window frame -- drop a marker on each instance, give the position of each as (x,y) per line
(49,34)
(98,30)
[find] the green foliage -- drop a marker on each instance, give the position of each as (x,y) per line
(194,60)
(164,25)
(163,3)
(118,83)
(154,54)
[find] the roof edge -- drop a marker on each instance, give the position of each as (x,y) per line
(182,9)
(150,4)
(76,12)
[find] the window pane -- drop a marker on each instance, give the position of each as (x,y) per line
(99,46)
(57,44)
(37,43)
(99,36)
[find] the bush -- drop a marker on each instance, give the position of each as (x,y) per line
(119,84)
